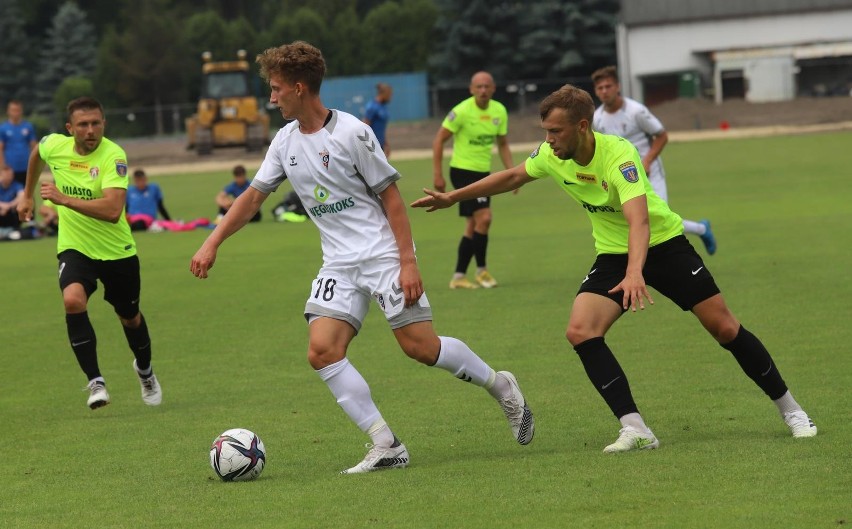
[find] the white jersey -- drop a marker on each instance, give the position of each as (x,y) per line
(338,172)
(635,123)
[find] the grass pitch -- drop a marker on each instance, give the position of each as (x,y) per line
(230,352)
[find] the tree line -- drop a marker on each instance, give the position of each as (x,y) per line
(139,53)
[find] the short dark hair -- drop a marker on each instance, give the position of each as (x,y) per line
(297,62)
(575,101)
(83,103)
(607,72)
(239,170)
(139,173)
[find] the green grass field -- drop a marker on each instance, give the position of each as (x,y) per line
(230,352)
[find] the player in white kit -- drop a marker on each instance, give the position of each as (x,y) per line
(336,166)
(630,119)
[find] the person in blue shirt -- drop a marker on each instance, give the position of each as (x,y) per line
(17,139)
(225,198)
(376,115)
(144,201)
(10,192)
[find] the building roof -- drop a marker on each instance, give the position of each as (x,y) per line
(653,12)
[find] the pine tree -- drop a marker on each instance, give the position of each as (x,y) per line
(69,50)
(15,81)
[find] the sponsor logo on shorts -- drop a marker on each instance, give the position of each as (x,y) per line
(628,169)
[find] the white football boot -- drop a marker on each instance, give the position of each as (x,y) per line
(98,396)
(517,412)
(380,458)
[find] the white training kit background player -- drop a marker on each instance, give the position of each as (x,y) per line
(341,196)
(634,122)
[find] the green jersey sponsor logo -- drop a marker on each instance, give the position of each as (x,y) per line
(334,207)
(78,192)
(321,193)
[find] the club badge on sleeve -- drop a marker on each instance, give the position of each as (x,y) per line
(628,169)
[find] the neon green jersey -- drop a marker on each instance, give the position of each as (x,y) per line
(474,131)
(86,177)
(614,176)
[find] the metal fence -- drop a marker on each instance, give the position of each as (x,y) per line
(413,99)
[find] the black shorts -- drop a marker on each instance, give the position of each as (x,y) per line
(461,178)
(673,268)
(120,278)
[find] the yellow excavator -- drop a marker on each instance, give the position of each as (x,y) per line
(228,114)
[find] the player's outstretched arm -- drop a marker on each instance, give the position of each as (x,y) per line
(108,208)
(34,168)
(493,184)
(244,208)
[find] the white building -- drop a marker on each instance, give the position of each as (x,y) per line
(760,50)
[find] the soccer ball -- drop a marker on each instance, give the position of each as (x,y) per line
(237,455)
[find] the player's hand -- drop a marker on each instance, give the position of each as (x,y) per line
(633,286)
(202,261)
(49,191)
(434,200)
(439,183)
(25,209)
(411,283)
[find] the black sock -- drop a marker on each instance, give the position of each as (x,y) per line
(480,247)
(465,255)
(140,343)
(607,376)
(81,334)
(756,362)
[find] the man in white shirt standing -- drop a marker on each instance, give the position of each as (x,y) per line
(337,167)
(630,119)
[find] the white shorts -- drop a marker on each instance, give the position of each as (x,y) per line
(657,178)
(344,293)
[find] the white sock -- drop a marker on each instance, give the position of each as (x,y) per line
(690,226)
(787,404)
(458,275)
(98,379)
(381,434)
(480,269)
(635,420)
(457,358)
(352,393)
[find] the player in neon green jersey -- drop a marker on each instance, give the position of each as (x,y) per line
(638,239)
(476,124)
(94,241)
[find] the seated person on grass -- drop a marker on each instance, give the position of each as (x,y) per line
(226,196)
(145,200)
(10,192)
